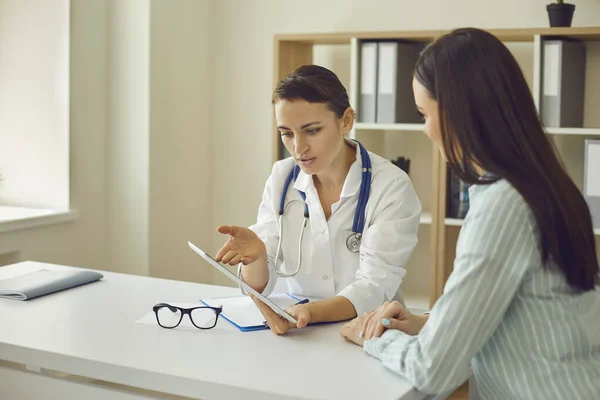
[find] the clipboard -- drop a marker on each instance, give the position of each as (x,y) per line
(241,312)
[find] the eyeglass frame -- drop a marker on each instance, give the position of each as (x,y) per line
(184,311)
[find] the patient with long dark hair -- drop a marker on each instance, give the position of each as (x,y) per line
(521,308)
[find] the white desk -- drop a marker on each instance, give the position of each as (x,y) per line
(89,331)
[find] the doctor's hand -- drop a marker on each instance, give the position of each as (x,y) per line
(243,246)
(280,325)
(392,315)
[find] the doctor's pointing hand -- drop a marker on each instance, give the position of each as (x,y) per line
(335,222)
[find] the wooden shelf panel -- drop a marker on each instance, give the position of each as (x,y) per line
(573,131)
(581,33)
(345,37)
(426,218)
(416,302)
(389,127)
(527,34)
(506,35)
(453,221)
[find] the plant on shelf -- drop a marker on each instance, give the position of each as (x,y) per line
(560,13)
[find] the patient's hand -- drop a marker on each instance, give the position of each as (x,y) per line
(392,315)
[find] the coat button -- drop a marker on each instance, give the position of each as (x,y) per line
(325,277)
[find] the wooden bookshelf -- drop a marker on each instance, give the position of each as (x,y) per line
(438,234)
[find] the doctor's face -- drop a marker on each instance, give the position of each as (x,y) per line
(312,133)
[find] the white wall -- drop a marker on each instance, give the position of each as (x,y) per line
(181,162)
(158,138)
(127,135)
(34,103)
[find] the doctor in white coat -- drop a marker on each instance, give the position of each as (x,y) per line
(335,221)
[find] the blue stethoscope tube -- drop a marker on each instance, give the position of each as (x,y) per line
(353,241)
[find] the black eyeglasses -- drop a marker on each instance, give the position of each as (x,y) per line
(203,317)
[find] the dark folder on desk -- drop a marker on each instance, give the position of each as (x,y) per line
(43,282)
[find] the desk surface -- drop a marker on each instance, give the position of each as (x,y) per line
(91,331)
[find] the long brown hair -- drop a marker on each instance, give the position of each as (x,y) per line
(488,120)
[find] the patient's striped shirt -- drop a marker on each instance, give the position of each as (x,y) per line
(524,331)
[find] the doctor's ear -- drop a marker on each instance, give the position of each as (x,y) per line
(348,120)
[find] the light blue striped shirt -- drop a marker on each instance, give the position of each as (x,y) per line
(524,331)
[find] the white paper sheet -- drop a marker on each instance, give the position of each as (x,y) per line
(243,311)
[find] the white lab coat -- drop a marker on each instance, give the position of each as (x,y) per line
(366,278)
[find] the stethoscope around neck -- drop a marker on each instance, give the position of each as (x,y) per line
(354,239)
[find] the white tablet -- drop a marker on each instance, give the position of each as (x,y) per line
(243,284)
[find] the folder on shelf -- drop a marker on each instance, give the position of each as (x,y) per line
(395,100)
(591,184)
(43,282)
(563,83)
(241,311)
(367,107)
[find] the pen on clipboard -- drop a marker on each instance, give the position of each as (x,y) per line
(300,302)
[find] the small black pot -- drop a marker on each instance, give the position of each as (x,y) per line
(560,14)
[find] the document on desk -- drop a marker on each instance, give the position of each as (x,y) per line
(43,282)
(242,312)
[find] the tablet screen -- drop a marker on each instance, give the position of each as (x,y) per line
(240,282)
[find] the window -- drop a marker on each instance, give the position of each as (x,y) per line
(34,108)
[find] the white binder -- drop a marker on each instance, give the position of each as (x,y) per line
(367,106)
(591,183)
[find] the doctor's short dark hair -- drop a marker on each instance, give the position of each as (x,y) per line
(314,84)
